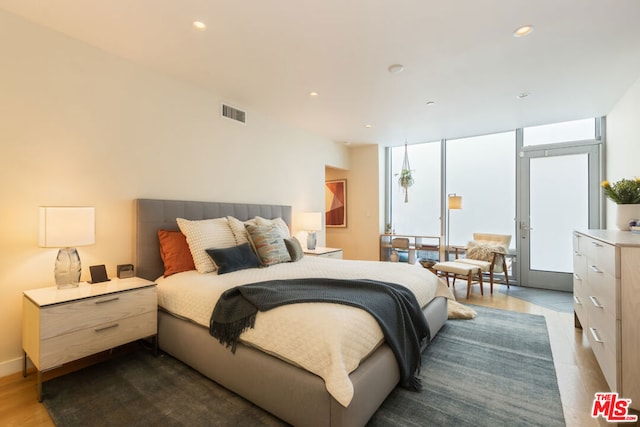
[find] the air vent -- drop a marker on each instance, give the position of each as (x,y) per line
(234,114)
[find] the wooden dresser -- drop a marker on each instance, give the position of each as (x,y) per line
(606,288)
(62,325)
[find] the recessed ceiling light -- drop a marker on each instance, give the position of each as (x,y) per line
(313,93)
(523,31)
(522,95)
(199,25)
(368,126)
(396,68)
(431,103)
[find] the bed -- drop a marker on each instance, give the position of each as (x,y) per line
(281,387)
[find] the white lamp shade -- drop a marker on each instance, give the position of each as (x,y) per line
(311,221)
(65,227)
(455,202)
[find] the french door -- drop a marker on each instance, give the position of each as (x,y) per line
(558,193)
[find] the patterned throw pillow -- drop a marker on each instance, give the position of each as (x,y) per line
(278,222)
(206,234)
(268,243)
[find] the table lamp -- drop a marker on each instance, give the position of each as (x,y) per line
(311,222)
(66,228)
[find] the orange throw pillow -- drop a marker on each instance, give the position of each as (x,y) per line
(175,252)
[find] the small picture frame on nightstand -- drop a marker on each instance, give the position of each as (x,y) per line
(98,274)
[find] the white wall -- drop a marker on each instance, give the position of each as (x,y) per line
(79,126)
(623,142)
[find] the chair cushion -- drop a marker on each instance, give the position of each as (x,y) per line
(484,265)
(456,267)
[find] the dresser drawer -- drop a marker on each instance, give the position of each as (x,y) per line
(601,255)
(577,242)
(580,264)
(604,350)
(604,323)
(602,291)
(84,342)
(82,314)
(580,295)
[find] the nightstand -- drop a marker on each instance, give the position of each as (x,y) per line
(324,252)
(63,325)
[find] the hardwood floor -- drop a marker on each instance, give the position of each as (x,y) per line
(579,376)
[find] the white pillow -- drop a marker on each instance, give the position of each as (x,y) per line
(278,222)
(206,234)
(239,230)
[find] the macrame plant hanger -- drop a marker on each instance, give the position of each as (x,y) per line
(406,178)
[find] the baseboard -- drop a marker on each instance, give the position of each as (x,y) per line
(13,366)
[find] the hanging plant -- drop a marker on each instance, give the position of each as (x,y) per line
(406,177)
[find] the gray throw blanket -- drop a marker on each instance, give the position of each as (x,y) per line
(395,308)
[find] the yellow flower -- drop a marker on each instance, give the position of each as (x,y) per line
(605,184)
(637,180)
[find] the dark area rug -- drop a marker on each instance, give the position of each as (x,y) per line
(495,370)
(553,300)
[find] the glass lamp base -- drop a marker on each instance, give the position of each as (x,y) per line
(67,269)
(311,240)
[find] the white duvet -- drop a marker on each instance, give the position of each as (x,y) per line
(328,340)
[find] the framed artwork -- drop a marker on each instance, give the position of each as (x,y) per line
(336,203)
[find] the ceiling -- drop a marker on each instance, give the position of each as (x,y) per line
(268,55)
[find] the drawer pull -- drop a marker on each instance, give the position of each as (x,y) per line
(104,328)
(107,300)
(597,245)
(595,302)
(576,253)
(595,269)
(575,276)
(595,336)
(577,300)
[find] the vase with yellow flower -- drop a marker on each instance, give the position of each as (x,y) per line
(626,194)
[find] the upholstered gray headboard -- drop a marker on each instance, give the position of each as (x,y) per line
(153,215)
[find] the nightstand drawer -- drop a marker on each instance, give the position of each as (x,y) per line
(80,343)
(65,318)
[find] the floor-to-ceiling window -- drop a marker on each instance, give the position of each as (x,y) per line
(421,214)
(482,170)
(499,177)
